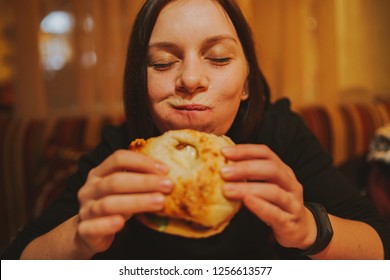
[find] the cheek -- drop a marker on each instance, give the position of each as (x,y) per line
(231,90)
(229,101)
(159,88)
(234,81)
(153,88)
(156,96)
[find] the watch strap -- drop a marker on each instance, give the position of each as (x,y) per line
(324,229)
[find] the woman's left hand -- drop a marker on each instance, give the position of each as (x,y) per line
(269,188)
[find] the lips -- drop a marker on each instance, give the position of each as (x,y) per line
(191,107)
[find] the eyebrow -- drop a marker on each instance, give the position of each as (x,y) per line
(210,40)
(220,38)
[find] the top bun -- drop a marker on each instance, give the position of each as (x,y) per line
(196,207)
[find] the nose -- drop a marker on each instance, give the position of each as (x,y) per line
(192,77)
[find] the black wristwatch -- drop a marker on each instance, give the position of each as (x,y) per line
(324,229)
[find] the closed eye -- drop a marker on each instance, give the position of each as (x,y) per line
(220,60)
(162,66)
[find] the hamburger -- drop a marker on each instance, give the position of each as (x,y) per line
(196,207)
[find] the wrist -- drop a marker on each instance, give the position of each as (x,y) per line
(61,243)
(80,250)
(311,231)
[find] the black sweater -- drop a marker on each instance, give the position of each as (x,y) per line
(246,237)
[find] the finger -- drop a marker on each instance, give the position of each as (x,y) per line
(249,151)
(271,193)
(125,183)
(129,160)
(269,213)
(259,170)
(123,205)
(253,158)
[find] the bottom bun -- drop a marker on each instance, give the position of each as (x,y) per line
(179,227)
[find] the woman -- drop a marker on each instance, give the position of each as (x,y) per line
(192,64)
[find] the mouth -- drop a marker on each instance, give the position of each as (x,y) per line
(191,107)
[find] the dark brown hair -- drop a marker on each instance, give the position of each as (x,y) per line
(135,94)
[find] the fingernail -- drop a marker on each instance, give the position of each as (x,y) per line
(227,169)
(166,184)
(161,167)
(228,150)
(158,199)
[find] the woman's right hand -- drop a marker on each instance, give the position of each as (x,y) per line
(125,183)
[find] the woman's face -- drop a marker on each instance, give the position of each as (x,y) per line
(196,68)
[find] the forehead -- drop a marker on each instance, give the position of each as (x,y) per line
(190,18)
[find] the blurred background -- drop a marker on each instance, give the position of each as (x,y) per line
(60,57)
(61,72)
